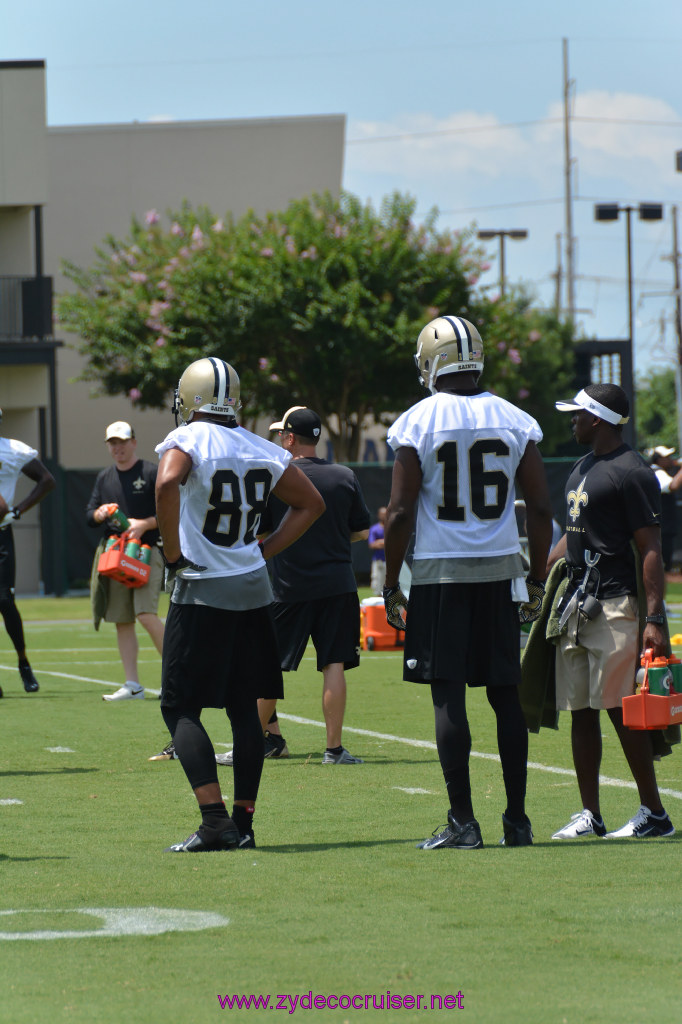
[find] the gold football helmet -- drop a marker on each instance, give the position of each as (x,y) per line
(207,385)
(449,344)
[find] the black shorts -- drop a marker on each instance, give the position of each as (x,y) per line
(208,652)
(463,632)
(333,624)
(7,564)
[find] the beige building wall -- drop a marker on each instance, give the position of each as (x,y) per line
(23,168)
(99,176)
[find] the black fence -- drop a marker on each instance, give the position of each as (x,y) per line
(80,540)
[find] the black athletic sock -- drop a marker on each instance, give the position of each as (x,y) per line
(243,819)
(214,816)
(335,751)
(273,718)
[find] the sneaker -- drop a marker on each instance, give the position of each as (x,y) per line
(203,842)
(343,758)
(275,746)
(644,825)
(28,679)
(247,842)
(1,693)
(455,836)
(580,825)
(167,754)
(125,693)
(516,833)
(225,759)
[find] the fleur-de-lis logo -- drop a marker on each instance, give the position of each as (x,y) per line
(576,499)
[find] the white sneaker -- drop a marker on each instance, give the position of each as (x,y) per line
(580,825)
(644,824)
(224,758)
(134,692)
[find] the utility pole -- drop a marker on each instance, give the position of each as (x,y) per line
(678,329)
(568,170)
(558,276)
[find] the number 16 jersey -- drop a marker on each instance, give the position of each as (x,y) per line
(221,503)
(469,448)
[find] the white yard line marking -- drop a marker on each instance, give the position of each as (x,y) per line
(415,791)
(6,803)
(60,750)
(604,780)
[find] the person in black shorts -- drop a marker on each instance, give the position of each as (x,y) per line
(459,454)
(612,500)
(16,458)
(316,595)
(220,649)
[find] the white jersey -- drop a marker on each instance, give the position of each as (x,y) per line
(469,448)
(14,455)
(221,503)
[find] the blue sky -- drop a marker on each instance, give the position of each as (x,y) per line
(458,104)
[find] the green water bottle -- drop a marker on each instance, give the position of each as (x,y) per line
(133,549)
(145,554)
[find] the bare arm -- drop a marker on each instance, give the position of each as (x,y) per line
(360,535)
(648,541)
(174,469)
(306,504)
(557,552)
(405,485)
(44,483)
(533,483)
(676,481)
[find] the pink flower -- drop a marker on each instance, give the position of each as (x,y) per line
(274,378)
(138,277)
(514,356)
(151,217)
(290,245)
(501,346)
(267,251)
(534,336)
(134,394)
(523,393)
(263,363)
(432,312)
(160,342)
(197,237)
(176,229)
(218,226)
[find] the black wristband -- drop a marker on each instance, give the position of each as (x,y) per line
(16,513)
(656,620)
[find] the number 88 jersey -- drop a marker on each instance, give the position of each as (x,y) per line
(224,497)
(469,448)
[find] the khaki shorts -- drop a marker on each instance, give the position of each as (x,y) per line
(600,671)
(126,603)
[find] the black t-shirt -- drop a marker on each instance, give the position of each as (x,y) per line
(132,489)
(319,563)
(608,497)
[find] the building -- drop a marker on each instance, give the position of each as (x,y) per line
(62,190)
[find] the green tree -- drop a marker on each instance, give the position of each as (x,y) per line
(317,305)
(656,410)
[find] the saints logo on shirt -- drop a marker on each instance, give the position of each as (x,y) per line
(139,483)
(576,499)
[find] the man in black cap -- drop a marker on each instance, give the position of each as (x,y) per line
(314,584)
(612,499)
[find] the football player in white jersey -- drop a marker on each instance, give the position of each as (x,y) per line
(220,649)
(459,455)
(17,458)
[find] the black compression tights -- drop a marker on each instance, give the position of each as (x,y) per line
(13,624)
(197,756)
(453,740)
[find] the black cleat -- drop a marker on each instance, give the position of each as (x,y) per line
(516,833)
(28,679)
(455,836)
(167,754)
(204,841)
(247,842)
(275,746)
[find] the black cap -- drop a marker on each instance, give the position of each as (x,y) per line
(301,421)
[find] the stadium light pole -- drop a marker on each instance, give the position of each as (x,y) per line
(646,211)
(515,233)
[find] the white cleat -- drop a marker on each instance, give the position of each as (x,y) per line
(125,693)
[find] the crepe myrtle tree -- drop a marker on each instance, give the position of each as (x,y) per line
(318,305)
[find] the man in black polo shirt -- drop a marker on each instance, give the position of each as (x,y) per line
(314,584)
(130,483)
(612,498)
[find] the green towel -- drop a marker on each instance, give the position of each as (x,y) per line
(99,588)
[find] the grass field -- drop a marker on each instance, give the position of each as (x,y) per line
(335,900)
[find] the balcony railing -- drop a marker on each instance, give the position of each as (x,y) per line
(25,307)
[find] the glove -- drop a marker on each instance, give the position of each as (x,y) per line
(395,604)
(530,610)
(173,568)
